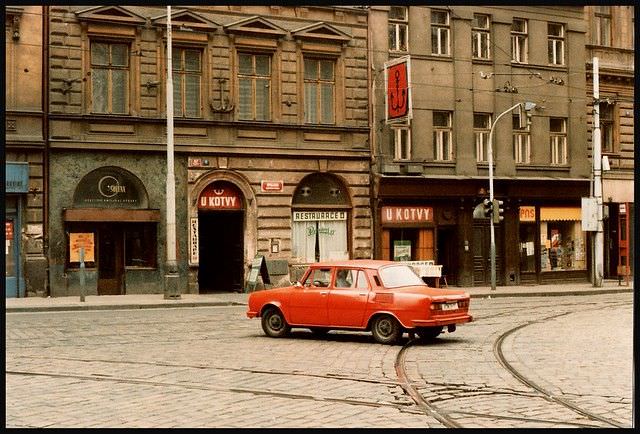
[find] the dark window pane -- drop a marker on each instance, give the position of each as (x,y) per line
(119,55)
(192,60)
(245,64)
(99,54)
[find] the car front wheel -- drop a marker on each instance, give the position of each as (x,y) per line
(274,324)
(386,329)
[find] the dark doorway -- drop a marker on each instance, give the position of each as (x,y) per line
(221,246)
(110,260)
(482,254)
(448,253)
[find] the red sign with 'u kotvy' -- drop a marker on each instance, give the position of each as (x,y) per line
(407,214)
(220,195)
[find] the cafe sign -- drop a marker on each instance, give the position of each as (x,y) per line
(110,187)
(407,214)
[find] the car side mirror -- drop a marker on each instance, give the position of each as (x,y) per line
(297,284)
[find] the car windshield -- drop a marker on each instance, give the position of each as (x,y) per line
(395,276)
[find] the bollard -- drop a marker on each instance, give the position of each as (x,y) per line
(82,288)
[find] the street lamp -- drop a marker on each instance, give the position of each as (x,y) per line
(527,106)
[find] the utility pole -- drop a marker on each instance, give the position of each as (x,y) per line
(528,106)
(171,270)
(598,254)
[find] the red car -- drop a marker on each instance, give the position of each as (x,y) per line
(385,297)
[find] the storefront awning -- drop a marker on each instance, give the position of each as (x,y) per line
(111,215)
(560,213)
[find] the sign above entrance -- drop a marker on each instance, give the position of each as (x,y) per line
(220,195)
(302,216)
(110,187)
(17,177)
(271,186)
(407,214)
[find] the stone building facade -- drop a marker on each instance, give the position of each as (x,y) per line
(610,38)
(271,143)
(470,67)
(24,153)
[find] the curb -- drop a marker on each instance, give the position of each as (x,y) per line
(120,306)
(498,294)
(133,306)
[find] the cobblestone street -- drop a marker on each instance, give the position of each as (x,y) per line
(212,367)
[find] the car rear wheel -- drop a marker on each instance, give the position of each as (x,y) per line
(274,324)
(386,329)
(429,332)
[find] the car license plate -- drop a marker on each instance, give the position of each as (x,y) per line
(450,306)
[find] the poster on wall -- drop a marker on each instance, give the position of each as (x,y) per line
(78,240)
(402,250)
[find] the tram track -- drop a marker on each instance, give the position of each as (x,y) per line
(448,421)
(412,402)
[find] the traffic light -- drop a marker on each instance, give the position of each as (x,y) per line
(497,211)
(487,208)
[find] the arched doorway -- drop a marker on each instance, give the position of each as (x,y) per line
(320,221)
(221,218)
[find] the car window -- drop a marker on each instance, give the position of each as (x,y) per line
(395,276)
(361,282)
(345,278)
(319,277)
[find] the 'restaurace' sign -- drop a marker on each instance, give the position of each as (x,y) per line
(302,216)
(407,214)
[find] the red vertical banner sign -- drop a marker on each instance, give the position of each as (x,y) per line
(398,90)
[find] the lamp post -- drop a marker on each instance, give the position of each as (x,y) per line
(171,270)
(528,106)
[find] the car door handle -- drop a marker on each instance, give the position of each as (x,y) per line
(363,293)
(324,292)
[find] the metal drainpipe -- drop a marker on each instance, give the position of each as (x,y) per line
(372,137)
(45,136)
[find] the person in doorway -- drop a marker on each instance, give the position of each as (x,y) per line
(343,279)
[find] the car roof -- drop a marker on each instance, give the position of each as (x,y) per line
(360,263)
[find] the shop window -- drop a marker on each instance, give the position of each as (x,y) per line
(140,245)
(187,81)
(254,81)
(110,77)
(319,91)
(562,241)
(527,247)
(319,220)
(408,244)
(81,235)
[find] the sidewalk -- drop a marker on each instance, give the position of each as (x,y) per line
(146,301)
